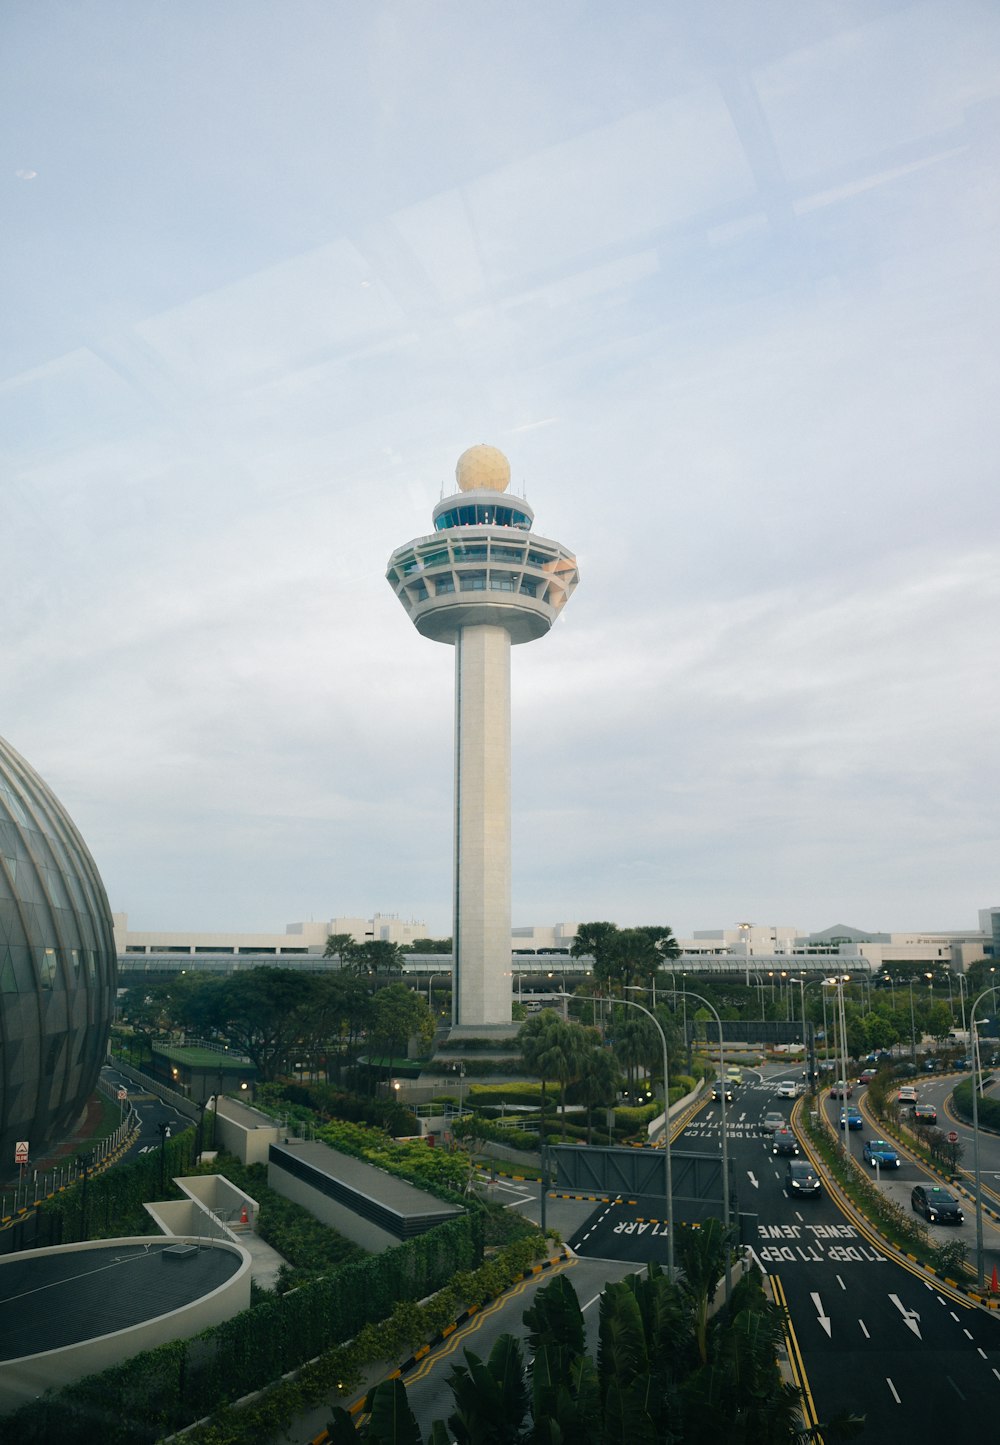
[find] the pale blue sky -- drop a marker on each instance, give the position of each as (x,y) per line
(720,279)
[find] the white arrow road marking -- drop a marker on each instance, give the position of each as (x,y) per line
(752,1179)
(910,1317)
(823,1319)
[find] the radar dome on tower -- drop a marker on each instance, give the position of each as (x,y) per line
(482,469)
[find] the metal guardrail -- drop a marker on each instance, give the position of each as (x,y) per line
(36,1185)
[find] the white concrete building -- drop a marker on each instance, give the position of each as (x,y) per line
(479,582)
(298,938)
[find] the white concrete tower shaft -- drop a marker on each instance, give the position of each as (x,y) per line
(482,989)
(481,582)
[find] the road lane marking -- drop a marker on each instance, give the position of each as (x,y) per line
(982,1352)
(996,1372)
(958,1392)
(841,1282)
(794,1353)
(822,1319)
(892,1387)
(864,1329)
(967,1334)
(910,1317)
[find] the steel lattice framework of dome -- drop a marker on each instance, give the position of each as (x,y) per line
(57,964)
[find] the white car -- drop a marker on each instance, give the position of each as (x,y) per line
(788,1089)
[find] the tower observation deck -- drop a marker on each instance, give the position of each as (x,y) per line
(481,581)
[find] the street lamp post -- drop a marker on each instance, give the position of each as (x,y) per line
(913,1029)
(980,1268)
(838,981)
(668,1178)
(164,1131)
(726,1218)
(962,985)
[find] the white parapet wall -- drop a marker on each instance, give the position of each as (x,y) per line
(24,1378)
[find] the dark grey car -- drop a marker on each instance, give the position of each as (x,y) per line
(801,1180)
(936,1205)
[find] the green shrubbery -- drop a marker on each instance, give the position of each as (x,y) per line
(513,1093)
(988,1109)
(436,1170)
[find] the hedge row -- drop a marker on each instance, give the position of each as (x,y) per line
(988,1109)
(337,1372)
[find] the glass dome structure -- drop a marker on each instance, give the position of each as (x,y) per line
(57,964)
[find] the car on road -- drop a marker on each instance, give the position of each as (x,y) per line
(734,1074)
(720,1087)
(936,1205)
(801,1179)
(773,1121)
(866,1076)
(924,1114)
(851,1118)
(783,1141)
(877,1151)
(906,1096)
(842,1089)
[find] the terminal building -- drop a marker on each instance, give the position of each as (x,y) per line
(746,948)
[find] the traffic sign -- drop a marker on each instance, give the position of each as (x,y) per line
(122,1095)
(952,1137)
(21,1151)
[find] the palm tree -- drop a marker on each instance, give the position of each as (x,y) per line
(599,1079)
(538,1042)
(491,1399)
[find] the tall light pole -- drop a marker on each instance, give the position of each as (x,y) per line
(726,1221)
(962,985)
(913,1029)
(668,1178)
(838,981)
(980,1268)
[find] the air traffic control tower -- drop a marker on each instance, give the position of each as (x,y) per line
(481,581)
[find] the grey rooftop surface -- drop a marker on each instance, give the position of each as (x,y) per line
(390,1202)
(49,1301)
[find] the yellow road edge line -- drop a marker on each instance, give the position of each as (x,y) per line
(795,1354)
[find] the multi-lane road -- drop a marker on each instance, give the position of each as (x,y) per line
(867,1334)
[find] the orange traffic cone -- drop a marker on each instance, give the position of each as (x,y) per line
(244,1217)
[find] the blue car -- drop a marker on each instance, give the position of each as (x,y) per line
(877,1151)
(852,1117)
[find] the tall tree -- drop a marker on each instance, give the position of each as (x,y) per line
(375,956)
(263,1013)
(538,1040)
(594,940)
(599,1081)
(398,1014)
(340,946)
